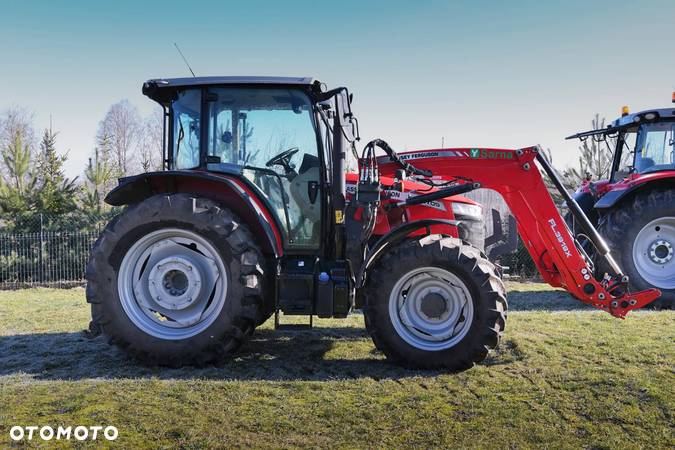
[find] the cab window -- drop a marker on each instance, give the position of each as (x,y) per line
(654,147)
(185,148)
(270,135)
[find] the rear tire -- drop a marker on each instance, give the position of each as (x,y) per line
(435,303)
(641,236)
(176,280)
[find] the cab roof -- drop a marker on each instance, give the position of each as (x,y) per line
(630,121)
(162,90)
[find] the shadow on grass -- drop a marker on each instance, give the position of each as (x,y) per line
(268,356)
(544,300)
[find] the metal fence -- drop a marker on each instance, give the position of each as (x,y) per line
(517,262)
(40,250)
(43,250)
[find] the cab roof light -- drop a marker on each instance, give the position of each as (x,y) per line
(625,111)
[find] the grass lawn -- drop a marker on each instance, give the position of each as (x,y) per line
(564,376)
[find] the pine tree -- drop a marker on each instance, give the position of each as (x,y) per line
(57,193)
(98,175)
(18,182)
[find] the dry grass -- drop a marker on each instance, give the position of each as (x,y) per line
(570,378)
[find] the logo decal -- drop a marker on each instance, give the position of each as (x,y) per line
(559,238)
(490,154)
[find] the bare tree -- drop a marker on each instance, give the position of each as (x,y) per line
(150,141)
(118,135)
(17,121)
(595,160)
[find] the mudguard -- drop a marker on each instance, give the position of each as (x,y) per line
(617,195)
(394,237)
(232,191)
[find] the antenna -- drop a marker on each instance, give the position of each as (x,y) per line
(184,59)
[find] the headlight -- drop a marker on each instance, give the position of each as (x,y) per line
(467,209)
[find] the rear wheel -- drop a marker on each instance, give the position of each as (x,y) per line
(435,303)
(176,280)
(641,233)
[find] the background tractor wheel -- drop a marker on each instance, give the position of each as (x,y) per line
(641,235)
(176,280)
(435,303)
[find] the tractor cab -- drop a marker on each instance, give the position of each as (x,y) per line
(644,142)
(270,132)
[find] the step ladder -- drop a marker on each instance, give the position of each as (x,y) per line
(292,326)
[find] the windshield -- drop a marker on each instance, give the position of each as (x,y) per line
(654,147)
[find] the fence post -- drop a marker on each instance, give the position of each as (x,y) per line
(42,245)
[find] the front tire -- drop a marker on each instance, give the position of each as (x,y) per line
(176,280)
(641,235)
(435,303)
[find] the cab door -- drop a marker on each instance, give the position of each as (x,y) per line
(269,133)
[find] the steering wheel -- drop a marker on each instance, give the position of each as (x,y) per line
(284,160)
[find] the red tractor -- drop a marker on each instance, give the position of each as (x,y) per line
(267,209)
(635,208)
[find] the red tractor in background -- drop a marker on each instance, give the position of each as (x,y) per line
(266,208)
(634,209)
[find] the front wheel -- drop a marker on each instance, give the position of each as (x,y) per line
(641,234)
(435,303)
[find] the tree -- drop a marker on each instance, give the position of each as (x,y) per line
(118,135)
(57,193)
(98,176)
(16,121)
(18,183)
(595,160)
(150,142)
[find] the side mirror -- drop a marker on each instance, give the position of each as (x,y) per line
(345,116)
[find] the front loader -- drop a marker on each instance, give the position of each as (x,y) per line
(266,208)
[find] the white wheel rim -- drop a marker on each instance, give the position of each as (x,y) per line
(654,253)
(431,308)
(172,284)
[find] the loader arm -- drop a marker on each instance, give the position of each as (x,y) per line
(515,176)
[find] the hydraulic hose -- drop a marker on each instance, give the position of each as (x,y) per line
(409,168)
(580,217)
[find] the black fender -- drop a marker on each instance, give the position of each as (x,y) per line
(586,201)
(613,198)
(395,236)
(231,190)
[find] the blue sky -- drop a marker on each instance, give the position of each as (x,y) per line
(500,74)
